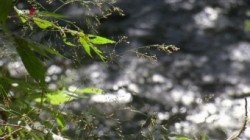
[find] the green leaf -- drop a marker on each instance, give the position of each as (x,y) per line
(60,121)
(32,64)
(89,90)
(66,41)
(43,24)
(1,131)
(20,14)
(247,25)
(57,98)
(99,40)
(85,44)
(182,138)
(42,49)
(26,88)
(5,7)
(35,136)
(99,53)
(50,50)
(205,137)
(5,85)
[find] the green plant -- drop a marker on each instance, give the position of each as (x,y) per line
(20,111)
(21,106)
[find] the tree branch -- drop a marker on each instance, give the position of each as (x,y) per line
(243,128)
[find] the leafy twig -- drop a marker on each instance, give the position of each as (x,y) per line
(11,134)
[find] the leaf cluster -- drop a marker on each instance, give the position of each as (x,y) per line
(23,100)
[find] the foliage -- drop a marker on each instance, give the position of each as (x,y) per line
(22,105)
(61,96)
(5,8)
(247,25)
(87,41)
(20,112)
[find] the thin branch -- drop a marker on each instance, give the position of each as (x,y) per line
(12,125)
(243,128)
(19,128)
(11,134)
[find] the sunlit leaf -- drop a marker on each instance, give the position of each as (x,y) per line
(99,53)
(60,121)
(20,13)
(99,40)
(205,137)
(43,24)
(32,64)
(183,138)
(66,41)
(86,45)
(1,132)
(89,90)
(57,98)
(247,25)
